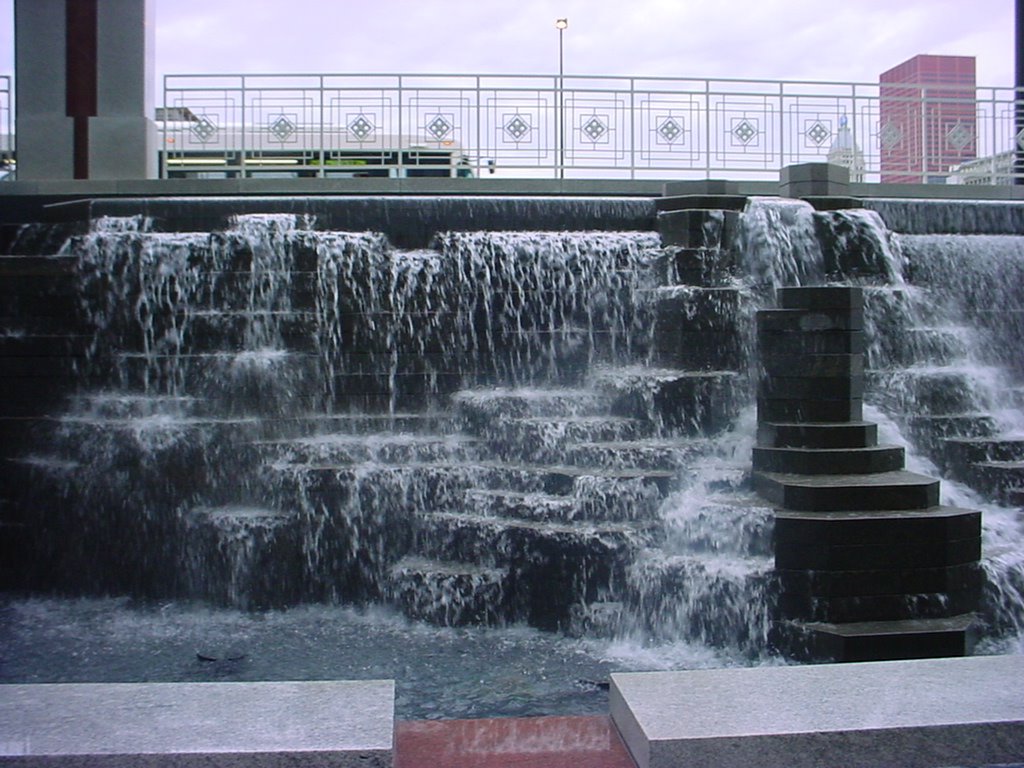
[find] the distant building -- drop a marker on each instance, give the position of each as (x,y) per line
(927,120)
(994,169)
(845,152)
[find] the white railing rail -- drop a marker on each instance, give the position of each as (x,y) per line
(614,127)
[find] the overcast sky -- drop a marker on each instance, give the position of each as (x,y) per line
(852,40)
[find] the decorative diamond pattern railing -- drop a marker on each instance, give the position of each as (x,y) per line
(6,119)
(595,127)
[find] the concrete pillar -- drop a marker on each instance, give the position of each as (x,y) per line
(84,78)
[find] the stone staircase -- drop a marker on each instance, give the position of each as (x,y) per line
(870,566)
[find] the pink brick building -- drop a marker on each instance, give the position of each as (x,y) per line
(927,119)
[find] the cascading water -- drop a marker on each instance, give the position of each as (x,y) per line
(954,388)
(502,429)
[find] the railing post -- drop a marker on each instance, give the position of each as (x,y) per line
(323,156)
(242,159)
(479,102)
(707,128)
(632,129)
(401,138)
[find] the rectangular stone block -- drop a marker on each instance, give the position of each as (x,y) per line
(250,725)
(808,410)
(698,228)
(812,365)
(811,342)
(904,581)
(876,556)
(889,607)
(810,320)
(812,387)
(695,266)
(914,714)
(699,350)
(809,435)
(820,297)
(875,640)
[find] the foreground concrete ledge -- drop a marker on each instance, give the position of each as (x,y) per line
(914,714)
(191,724)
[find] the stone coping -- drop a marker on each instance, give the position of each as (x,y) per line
(318,723)
(914,714)
(492,186)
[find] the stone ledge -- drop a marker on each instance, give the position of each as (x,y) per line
(329,723)
(915,714)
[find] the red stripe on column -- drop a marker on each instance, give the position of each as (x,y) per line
(82,97)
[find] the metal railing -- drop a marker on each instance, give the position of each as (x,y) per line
(614,127)
(6,127)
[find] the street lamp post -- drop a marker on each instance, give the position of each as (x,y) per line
(561,25)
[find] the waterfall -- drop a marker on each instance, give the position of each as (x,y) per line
(541,428)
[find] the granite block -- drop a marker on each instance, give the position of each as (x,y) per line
(915,714)
(255,725)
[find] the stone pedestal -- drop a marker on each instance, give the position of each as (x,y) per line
(870,566)
(85,89)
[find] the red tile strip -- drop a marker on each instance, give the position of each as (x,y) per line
(531,742)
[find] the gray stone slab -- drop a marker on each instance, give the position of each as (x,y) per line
(318,723)
(913,714)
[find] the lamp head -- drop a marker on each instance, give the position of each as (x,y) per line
(561,23)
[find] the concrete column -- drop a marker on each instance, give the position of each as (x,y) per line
(84,75)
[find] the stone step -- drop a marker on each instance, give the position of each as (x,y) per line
(829,461)
(658,454)
(823,435)
(541,507)
(480,408)
(244,556)
(545,438)
(675,401)
(939,390)
(876,640)
(554,566)
(960,453)
(25,265)
(448,594)
(505,541)
(441,485)
(703,597)
(121,405)
(827,493)
(210,331)
(862,527)
(1002,479)
(591,498)
(928,432)
(383,448)
(920,346)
